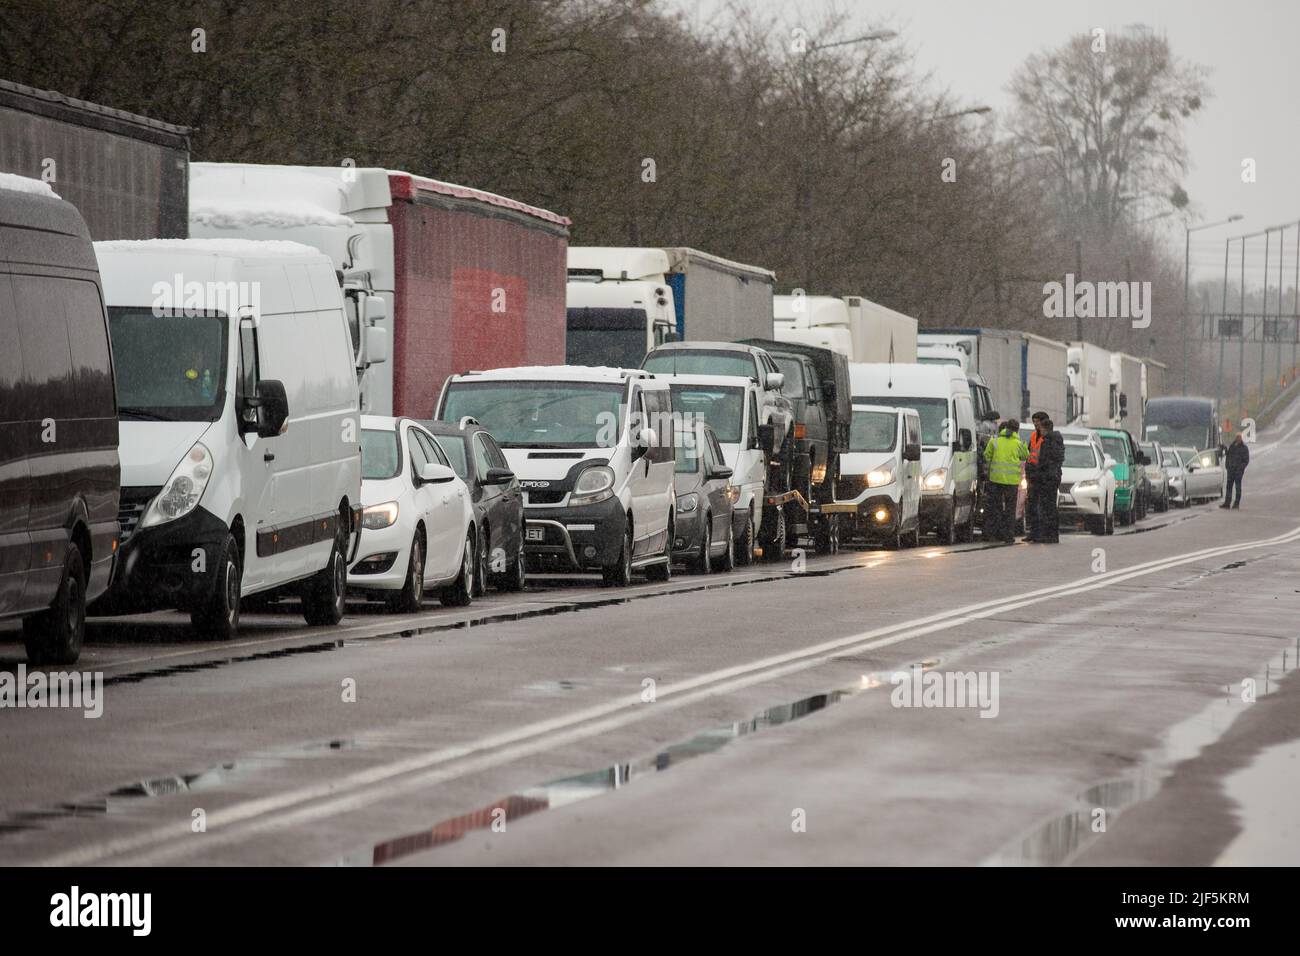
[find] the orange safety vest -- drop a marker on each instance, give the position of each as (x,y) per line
(1035,442)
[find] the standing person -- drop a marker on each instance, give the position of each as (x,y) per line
(1032,520)
(1046,481)
(1238,459)
(1005,453)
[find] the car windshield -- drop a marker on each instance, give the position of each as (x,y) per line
(873,431)
(792,369)
(1150,452)
(540,414)
(933,412)
(1116,448)
(722,408)
(1080,455)
(170,365)
(701,362)
(380,455)
(454,446)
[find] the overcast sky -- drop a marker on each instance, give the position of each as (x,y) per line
(971,48)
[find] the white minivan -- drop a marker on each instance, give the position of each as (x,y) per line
(940,394)
(593,449)
(239,425)
(879,486)
(730,405)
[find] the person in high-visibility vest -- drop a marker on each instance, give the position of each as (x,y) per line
(1005,454)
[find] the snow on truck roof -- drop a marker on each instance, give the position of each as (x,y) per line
(635,262)
(557,373)
(22,184)
(233,248)
(279,214)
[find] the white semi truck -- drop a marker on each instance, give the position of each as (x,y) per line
(1093,401)
(622,302)
(1024,373)
(856,327)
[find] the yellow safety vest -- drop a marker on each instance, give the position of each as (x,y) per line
(1005,454)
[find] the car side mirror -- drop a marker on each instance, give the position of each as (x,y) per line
(722,471)
(433,473)
(767,438)
(1108,462)
(912,451)
(272,406)
(497,476)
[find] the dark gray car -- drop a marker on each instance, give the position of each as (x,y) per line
(702,481)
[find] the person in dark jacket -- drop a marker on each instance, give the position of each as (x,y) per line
(1044,479)
(1238,458)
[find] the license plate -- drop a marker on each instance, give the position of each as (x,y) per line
(536,534)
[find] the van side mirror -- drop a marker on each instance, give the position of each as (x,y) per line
(912,451)
(774,381)
(828,391)
(374,343)
(272,406)
(645,440)
(767,438)
(990,416)
(722,471)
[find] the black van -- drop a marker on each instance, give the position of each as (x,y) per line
(59,474)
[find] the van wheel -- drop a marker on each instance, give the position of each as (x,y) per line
(218,618)
(411,598)
(324,596)
(461,592)
(745,554)
(55,636)
(619,575)
(948,533)
(774,541)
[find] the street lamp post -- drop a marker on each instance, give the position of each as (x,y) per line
(1187,265)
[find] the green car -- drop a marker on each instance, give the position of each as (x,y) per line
(1130,474)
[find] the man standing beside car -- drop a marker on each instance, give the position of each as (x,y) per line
(1031,469)
(1238,458)
(1005,453)
(1044,480)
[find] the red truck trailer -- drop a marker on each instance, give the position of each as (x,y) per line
(469,279)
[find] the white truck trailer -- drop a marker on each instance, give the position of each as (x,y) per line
(1093,401)
(1024,373)
(857,328)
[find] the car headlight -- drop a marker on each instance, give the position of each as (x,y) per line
(181,494)
(687,503)
(935,480)
(375,517)
(880,476)
(733,493)
(1085,487)
(593,485)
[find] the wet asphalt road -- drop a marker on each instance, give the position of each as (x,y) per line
(521,730)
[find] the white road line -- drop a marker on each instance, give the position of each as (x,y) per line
(363,787)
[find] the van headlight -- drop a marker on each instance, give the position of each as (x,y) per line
(935,480)
(593,486)
(181,494)
(687,503)
(878,477)
(376,517)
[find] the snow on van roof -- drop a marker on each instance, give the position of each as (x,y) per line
(285,213)
(565,373)
(22,184)
(719,381)
(234,248)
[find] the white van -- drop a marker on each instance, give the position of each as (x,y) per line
(940,395)
(239,425)
(730,406)
(879,485)
(593,451)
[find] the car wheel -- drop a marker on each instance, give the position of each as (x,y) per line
(745,554)
(218,619)
(705,562)
(55,635)
(460,593)
(619,575)
(516,576)
(482,571)
(1110,522)
(411,598)
(324,596)
(728,556)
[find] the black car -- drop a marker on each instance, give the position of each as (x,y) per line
(60,479)
(702,533)
(498,501)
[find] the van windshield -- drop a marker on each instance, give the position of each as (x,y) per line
(701,362)
(722,408)
(169,365)
(535,414)
(873,431)
(792,369)
(933,411)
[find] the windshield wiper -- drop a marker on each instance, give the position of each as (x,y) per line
(137,411)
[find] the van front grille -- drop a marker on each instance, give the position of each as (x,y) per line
(131,508)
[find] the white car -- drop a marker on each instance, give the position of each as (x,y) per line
(417,519)
(1087,491)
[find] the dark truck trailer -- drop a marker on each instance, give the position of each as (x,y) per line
(127,175)
(817,384)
